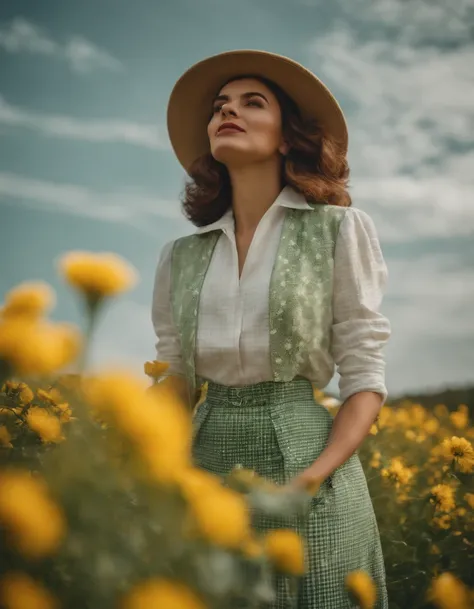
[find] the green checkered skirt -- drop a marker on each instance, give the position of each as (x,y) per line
(278,430)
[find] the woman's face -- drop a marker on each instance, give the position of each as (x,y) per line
(246,124)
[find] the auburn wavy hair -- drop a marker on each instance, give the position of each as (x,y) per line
(315,166)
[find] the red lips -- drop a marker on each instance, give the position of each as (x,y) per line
(229,126)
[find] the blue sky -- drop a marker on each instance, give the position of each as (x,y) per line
(85,161)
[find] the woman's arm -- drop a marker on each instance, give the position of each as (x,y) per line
(168,345)
(359,333)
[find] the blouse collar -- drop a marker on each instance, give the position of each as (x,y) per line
(288,197)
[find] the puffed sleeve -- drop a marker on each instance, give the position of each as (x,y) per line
(168,345)
(359,330)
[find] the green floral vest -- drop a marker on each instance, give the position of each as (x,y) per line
(300,298)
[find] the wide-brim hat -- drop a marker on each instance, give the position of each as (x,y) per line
(190,103)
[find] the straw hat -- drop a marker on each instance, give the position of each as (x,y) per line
(190,103)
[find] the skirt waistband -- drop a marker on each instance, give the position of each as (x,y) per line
(259,393)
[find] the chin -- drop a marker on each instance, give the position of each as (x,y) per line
(230,155)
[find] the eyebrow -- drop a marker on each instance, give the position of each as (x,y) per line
(244,95)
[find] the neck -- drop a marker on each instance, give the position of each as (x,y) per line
(254,190)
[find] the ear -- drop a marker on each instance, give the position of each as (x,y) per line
(283,148)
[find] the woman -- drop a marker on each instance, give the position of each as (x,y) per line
(281,281)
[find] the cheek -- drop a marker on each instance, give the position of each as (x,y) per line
(268,131)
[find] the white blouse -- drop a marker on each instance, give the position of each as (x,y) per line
(232,345)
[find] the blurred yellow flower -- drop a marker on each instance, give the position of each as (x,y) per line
(384,417)
(157,422)
(253,548)
(448,592)
(33,521)
(194,482)
(53,396)
(46,425)
(32,348)
(362,588)
(284,548)
(63,412)
(21,389)
(221,516)
(374,430)
(30,299)
(431,426)
(202,395)
(460,451)
(442,522)
(460,417)
(375,461)
(397,472)
(20,591)
(97,275)
(155,369)
(5,437)
(162,594)
(442,496)
(469,497)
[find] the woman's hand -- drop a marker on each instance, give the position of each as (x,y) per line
(308,480)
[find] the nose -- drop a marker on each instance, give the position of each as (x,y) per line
(228,110)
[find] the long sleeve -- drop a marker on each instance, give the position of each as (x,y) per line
(359,330)
(168,345)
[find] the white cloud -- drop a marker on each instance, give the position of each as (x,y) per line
(429,307)
(409,105)
(130,208)
(83,56)
(90,130)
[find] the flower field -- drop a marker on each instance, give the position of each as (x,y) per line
(101,507)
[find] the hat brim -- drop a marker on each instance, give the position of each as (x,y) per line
(190,103)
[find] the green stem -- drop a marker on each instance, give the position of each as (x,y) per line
(92,312)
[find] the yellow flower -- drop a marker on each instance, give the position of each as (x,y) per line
(318,395)
(431,426)
(155,369)
(448,592)
(253,548)
(285,549)
(360,585)
(19,591)
(397,472)
(384,417)
(47,426)
(33,521)
(194,482)
(162,594)
(37,347)
(22,390)
(221,516)
(30,299)
(469,497)
(97,275)
(376,459)
(5,437)
(374,430)
(202,395)
(442,496)
(410,434)
(460,417)
(460,451)
(64,412)
(442,522)
(53,396)
(157,422)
